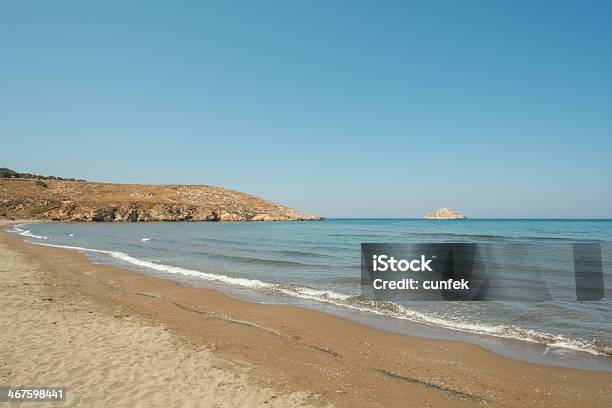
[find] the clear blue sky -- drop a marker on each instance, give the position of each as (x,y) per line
(356,108)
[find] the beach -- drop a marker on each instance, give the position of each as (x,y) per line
(114,337)
(306,204)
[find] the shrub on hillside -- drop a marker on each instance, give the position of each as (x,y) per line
(8,173)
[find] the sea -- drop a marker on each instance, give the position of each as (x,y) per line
(317,265)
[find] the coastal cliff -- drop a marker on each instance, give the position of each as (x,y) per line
(79,200)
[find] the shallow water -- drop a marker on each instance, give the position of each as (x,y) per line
(317,264)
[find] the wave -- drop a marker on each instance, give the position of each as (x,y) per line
(27,233)
(217,240)
(363,304)
(272,262)
(511,238)
(552,239)
(390,309)
(343,280)
(452,234)
(293,252)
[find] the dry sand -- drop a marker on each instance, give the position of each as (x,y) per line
(118,338)
(53,336)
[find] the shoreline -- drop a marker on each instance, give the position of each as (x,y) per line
(518,343)
(340,361)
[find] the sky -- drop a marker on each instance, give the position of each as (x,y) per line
(500,109)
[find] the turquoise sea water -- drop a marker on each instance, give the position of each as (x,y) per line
(317,264)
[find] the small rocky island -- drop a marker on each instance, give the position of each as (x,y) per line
(445,214)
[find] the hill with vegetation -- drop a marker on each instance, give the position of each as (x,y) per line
(23,195)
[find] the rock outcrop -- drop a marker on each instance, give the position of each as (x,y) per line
(262,217)
(445,214)
(64,200)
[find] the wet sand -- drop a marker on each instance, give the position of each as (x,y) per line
(114,337)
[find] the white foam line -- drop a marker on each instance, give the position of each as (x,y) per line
(244,282)
(27,233)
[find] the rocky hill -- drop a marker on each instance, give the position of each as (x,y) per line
(66,200)
(445,214)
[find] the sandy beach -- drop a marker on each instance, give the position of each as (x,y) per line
(116,338)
